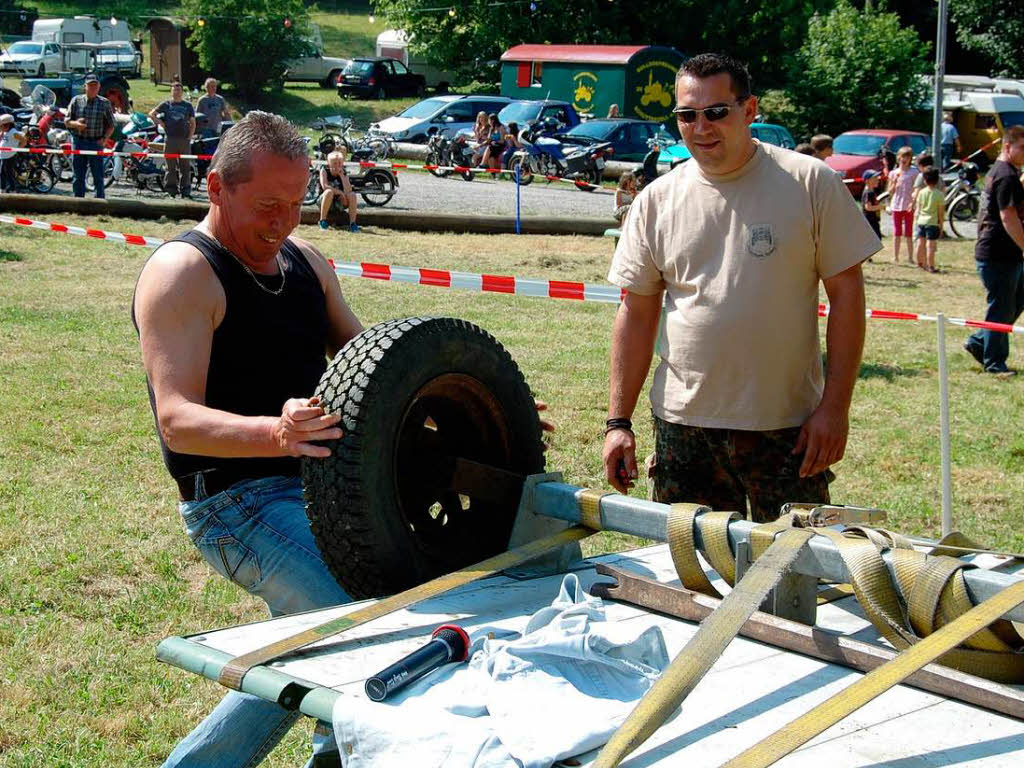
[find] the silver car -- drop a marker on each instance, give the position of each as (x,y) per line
(119,56)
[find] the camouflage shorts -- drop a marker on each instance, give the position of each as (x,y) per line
(724,468)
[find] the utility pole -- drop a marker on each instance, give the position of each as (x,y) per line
(940,71)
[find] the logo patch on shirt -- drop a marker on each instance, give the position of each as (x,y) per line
(760,240)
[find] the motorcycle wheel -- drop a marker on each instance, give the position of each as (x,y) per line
(466,175)
(525,174)
(380,148)
(312,187)
(433,159)
(108,175)
(61,168)
(379,187)
(965,209)
(42,180)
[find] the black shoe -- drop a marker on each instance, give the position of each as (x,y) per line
(1000,369)
(974,351)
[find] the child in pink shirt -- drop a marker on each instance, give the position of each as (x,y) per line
(901,189)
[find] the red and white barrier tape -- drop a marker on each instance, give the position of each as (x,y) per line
(102,153)
(472,281)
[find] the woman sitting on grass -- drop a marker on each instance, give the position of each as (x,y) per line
(335,184)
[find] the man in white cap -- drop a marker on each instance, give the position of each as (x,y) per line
(9,138)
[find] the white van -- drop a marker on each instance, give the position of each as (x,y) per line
(394,44)
(80,29)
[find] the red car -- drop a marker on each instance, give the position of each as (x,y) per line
(863,149)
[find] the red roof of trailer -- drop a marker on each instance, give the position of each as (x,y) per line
(590,54)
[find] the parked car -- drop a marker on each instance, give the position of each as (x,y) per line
(675,151)
(863,149)
(315,66)
(379,78)
(628,136)
(119,56)
(525,113)
(30,57)
(450,112)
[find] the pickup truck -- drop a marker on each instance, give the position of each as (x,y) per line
(315,67)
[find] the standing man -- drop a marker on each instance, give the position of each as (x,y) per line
(91,121)
(737,242)
(213,108)
(235,319)
(949,140)
(997,253)
(178,119)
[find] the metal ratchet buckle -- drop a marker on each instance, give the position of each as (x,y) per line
(824,515)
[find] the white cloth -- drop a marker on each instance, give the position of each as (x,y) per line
(560,689)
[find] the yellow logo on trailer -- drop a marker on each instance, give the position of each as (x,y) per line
(583,93)
(656,95)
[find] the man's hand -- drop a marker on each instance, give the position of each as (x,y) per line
(301,422)
(619,458)
(822,439)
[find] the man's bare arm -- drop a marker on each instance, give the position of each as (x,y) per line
(178,305)
(632,348)
(823,436)
(1012,224)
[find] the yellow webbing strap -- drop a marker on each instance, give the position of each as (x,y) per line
(704,648)
(828,713)
(714,530)
(235,670)
(957,544)
(590,508)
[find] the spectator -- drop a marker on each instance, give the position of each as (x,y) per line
(512,143)
(804,149)
(9,138)
(931,212)
(997,252)
(495,142)
(822,146)
(336,186)
(869,201)
(91,121)
(213,108)
(949,140)
(901,190)
(625,193)
(613,110)
(924,161)
(742,411)
(178,119)
(479,137)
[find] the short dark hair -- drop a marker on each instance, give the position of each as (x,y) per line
(821,142)
(804,149)
(925,158)
(931,176)
(708,64)
(1013,134)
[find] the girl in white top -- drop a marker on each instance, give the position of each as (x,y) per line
(901,188)
(624,195)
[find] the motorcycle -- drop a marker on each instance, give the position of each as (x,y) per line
(133,134)
(442,150)
(648,170)
(376,186)
(551,158)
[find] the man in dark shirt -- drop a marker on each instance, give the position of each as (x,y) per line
(998,252)
(91,121)
(178,119)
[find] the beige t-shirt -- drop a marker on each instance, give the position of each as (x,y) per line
(740,256)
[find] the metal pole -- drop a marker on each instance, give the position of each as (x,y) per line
(940,71)
(518,190)
(947,481)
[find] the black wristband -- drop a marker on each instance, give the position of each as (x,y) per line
(619,423)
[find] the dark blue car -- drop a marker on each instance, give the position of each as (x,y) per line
(524,113)
(628,137)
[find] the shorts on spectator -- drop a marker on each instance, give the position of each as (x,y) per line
(620,213)
(903,223)
(927,232)
(339,197)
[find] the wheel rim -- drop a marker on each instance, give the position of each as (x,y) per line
(452,415)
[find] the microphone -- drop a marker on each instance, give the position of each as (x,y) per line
(448,643)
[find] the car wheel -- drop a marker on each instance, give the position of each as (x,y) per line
(380,94)
(42,71)
(331,79)
(421,90)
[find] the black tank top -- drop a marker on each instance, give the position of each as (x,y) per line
(266,350)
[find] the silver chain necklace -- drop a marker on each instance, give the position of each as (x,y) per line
(261,286)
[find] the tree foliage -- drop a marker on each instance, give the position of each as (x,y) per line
(761,32)
(247,42)
(15,18)
(857,69)
(993,28)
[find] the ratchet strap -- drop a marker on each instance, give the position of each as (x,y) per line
(235,670)
(828,713)
(715,632)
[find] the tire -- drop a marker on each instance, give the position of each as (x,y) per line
(433,159)
(380,94)
(442,87)
(525,174)
(41,72)
(312,188)
(61,168)
(385,184)
(42,180)
(379,147)
(415,393)
(589,180)
(958,223)
(108,175)
(421,90)
(331,80)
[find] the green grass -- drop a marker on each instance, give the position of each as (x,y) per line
(95,570)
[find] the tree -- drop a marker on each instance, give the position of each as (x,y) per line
(857,69)
(15,18)
(247,42)
(994,28)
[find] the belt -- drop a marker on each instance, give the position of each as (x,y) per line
(214,481)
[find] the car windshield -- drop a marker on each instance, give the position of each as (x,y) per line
(519,112)
(592,130)
(359,68)
(424,109)
(1011,118)
(26,48)
(858,144)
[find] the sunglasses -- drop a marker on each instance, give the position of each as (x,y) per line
(711,114)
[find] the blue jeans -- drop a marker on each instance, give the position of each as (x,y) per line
(947,155)
(256,534)
(1004,282)
(81,163)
